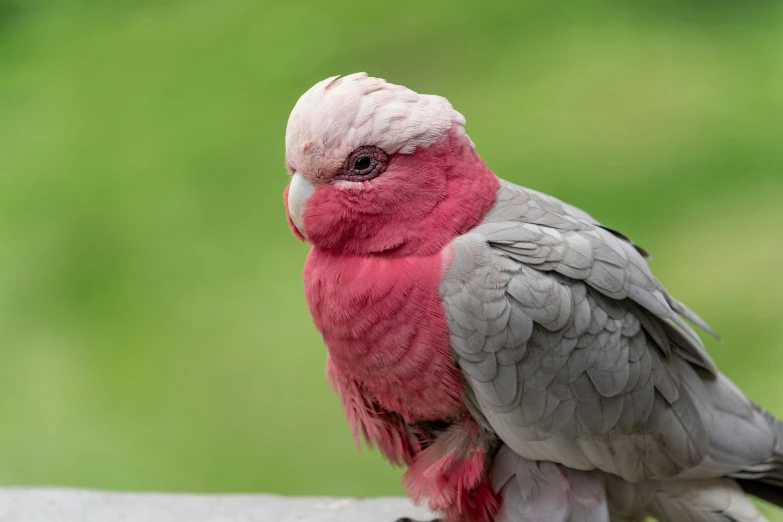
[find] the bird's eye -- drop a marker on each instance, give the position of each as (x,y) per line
(363,163)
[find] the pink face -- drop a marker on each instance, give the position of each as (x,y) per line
(371,203)
(379,169)
(398,204)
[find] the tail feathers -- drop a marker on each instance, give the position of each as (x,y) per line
(765,481)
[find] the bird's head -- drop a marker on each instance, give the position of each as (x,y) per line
(380,169)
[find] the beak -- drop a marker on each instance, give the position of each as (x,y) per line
(299,190)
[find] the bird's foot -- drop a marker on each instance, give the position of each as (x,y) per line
(406,519)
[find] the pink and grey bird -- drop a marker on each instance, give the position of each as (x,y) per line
(516,356)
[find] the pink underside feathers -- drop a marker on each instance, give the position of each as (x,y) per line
(448,472)
(380,428)
(371,282)
(384,324)
(451,475)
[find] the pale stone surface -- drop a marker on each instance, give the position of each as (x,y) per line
(70,505)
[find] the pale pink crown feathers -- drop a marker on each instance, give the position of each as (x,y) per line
(339,114)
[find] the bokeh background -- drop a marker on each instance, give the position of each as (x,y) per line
(153,330)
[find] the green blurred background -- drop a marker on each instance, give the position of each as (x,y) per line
(153,330)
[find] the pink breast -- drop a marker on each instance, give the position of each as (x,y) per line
(384,325)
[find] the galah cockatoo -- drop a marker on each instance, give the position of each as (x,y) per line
(518,357)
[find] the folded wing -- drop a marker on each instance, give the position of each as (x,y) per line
(575,353)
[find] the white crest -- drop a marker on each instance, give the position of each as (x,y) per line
(339,114)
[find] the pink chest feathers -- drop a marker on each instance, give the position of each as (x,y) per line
(384,325)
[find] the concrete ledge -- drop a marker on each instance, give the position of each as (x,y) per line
(71,505)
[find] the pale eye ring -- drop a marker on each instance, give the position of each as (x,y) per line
(363,163)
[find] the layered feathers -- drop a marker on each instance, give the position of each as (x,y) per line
(337,115)
(517,356)
(576,354)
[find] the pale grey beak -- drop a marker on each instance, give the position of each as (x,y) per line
(299,190)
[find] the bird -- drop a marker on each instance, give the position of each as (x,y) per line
(515,355)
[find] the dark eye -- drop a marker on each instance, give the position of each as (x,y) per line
(363,163)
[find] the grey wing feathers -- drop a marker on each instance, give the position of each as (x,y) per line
(710,500)
(575,353)
(552,236)
(714,500)
(546,492)
(511,193)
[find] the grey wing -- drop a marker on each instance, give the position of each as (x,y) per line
(550,235)
(511,197)
(575,353)
(545,492)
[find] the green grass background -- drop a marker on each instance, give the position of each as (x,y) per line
(153,330)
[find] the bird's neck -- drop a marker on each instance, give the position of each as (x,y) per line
(470,192)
